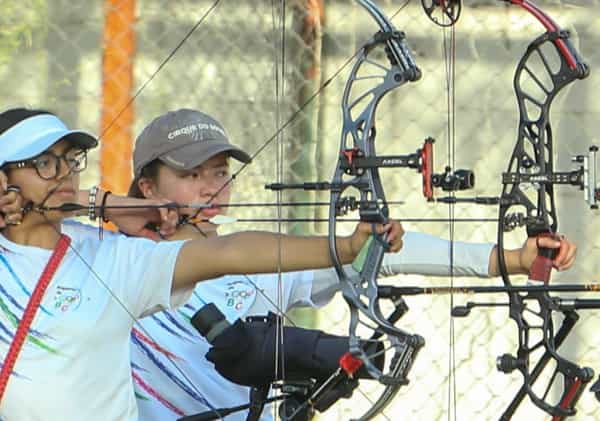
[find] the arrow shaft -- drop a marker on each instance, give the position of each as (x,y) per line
(413,290)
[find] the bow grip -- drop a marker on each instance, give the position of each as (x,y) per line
(542,265)
(368,256)
(361,257)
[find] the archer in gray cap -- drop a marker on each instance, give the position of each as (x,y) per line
(183,139)
(183,156)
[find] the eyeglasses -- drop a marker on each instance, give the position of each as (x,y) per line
(47,165)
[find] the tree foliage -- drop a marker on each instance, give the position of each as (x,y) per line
(20,22)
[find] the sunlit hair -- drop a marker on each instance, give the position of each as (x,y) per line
(150,171)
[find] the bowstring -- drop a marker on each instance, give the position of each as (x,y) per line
(449,56)
(278,22)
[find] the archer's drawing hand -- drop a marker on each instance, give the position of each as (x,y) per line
(11,203)
(135,221)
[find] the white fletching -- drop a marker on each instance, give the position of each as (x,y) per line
(222,219)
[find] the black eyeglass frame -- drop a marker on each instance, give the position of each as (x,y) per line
(74,164)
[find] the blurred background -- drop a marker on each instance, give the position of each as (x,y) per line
(109,67)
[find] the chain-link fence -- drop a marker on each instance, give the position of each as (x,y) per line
(253,66)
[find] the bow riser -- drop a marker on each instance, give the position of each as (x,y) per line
(358,137)
(387,61)
(549,64)
(358,140)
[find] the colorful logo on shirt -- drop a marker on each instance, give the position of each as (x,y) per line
(237,293)
(67,299)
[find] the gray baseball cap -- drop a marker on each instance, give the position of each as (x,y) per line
(183,139)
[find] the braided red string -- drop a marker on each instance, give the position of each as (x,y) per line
(31,310)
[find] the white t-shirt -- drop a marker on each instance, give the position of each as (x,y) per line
(75,363)
(171,376)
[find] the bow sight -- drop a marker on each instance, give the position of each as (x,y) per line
(529,175)
(353,162)
(588,176)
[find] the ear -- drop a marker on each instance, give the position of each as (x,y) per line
(147,187)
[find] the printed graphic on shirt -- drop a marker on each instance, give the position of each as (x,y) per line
(237,297)
(67,299)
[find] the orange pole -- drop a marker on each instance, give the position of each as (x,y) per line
(117,112)
(314,20)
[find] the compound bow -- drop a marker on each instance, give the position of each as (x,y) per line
(387,60)
(549,64)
